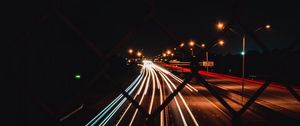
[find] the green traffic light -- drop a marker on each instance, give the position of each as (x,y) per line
(77,76)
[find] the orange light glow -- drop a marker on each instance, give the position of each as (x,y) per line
(221,42)
(169,52)
(220,26)
(192,43)
(139,54)
(130,51)
(202,45)
(181,45)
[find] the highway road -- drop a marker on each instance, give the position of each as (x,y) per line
(192,106)
(275,103)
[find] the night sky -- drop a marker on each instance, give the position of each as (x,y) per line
(107,22)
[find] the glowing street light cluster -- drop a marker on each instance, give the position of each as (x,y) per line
(138,53)
(134,56)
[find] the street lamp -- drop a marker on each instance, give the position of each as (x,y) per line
(206,54)
(192,52)
(262,27)
(130,51)
(268,26)
(220,42)
(202,45)
(243,53)
(220,25)
(192,43)
(168,52)
(181,45)
(139,54)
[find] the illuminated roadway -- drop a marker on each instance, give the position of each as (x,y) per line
(192,106)
(275,101)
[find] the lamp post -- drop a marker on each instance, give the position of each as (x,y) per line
(192,51)
(221,26)
(244,53)
(192,43)
(181,46)
(220,42)
(130,51)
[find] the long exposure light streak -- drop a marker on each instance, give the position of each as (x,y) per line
(108,107)
(149,78)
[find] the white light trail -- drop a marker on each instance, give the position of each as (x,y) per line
(115,109)
(179,109)
(108,107)
(161,99)
(153,91)
(147,73)
(133,98)
(141,100)
(182,99)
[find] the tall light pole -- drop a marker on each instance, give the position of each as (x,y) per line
(192,43)
(181,46)
(243,64)
(182,56)
(206,55)
(243,53)
(221,26)
(220,42)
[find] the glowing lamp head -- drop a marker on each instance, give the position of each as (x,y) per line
(139,54)
(181,45)
(168,52)
(191,43)
(221,42)
(202,45)
(220,26)
(130,51)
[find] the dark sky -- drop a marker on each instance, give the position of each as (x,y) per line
(107,22)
